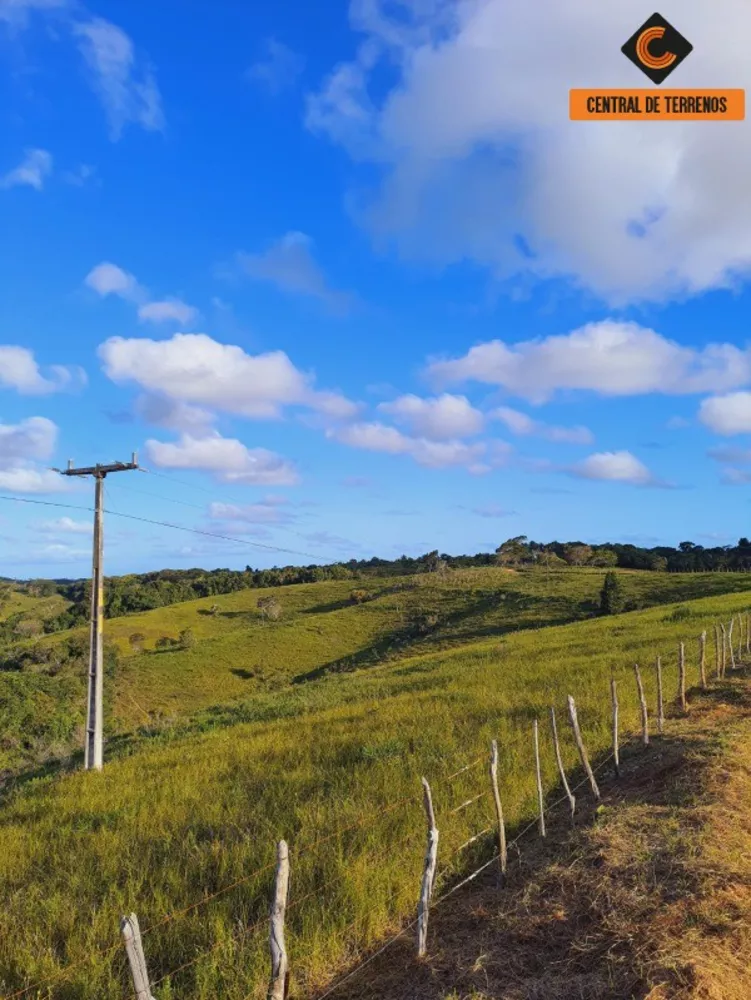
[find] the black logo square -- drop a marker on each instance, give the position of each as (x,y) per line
(657,48)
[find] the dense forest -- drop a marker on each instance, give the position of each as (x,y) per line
(142,592)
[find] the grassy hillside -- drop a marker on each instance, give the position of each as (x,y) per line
(326,765)
(240,658)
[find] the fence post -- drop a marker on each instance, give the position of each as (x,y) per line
(730,643)
(748,634)
(279,966)
(428,876)
(724,649)
(682,677)
(717,658)
(581,748)
(740,638)
(559,762)
(643,704)
(616,748)
(660,700)
(702,660)
(502,855)
(134,947)
(538,775)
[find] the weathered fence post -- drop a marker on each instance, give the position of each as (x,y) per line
(538,775)
(428,875)
(740,638)
(643,704)
(748,634)
(717,657)
(616,748)
(723,631)
(559,762)
(682,677)
(581,748)
(502,854)
(279,966)
(134,947)
(703,660)
(660,700)
(730,643)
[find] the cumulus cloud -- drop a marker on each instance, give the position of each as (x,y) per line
(729,414)
(20,371)
(615,466)
(289,264)
(33,438)
(109,279)
(439,419)
(193,368)
(609,358)
(227,459)
(280,68)
(25,477)
(166,310)
(477,159)
(128,90)
(375,436)
(173,414)
(524,425)
(32,171)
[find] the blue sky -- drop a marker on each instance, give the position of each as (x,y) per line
(350,282)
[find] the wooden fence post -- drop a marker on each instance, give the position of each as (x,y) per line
(660,700)
(502,854)
(559,762)
(428,876)
(538,775)
(134,947)
(279,983)
(730,643)
(616,748)
(581,748)
(643,704)
(717,656)
(703,660)
(748,634)
(682,677)
(740,638)
(723,632)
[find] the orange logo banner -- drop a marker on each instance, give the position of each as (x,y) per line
(663,105)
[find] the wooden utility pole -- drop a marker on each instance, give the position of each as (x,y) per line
(93,749)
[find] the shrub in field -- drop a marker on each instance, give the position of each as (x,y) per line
(165,642)
(136,641)
(360,596)
(270,608)
(187,639)
(611,596)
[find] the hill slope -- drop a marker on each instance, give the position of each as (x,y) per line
(334,767)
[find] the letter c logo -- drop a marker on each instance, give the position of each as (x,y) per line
(643,42)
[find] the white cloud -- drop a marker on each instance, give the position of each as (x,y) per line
(439,419)
(193,368)
(25,477)
(733,456)
(279,70)
(173,414)
(80,176)
(128,92)
(32,171)
(228,459)
(478,160)
(524,425)
(431,454)
(730,414)
(615,466)
(168,309)
(268,511)
(20,371)
(109,279)
(64,525)
(33,438)
(289,264)
(608,358)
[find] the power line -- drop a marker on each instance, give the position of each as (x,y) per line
(176,527)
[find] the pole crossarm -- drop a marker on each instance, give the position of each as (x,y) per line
(99,471)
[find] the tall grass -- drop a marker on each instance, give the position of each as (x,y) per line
(185,814)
